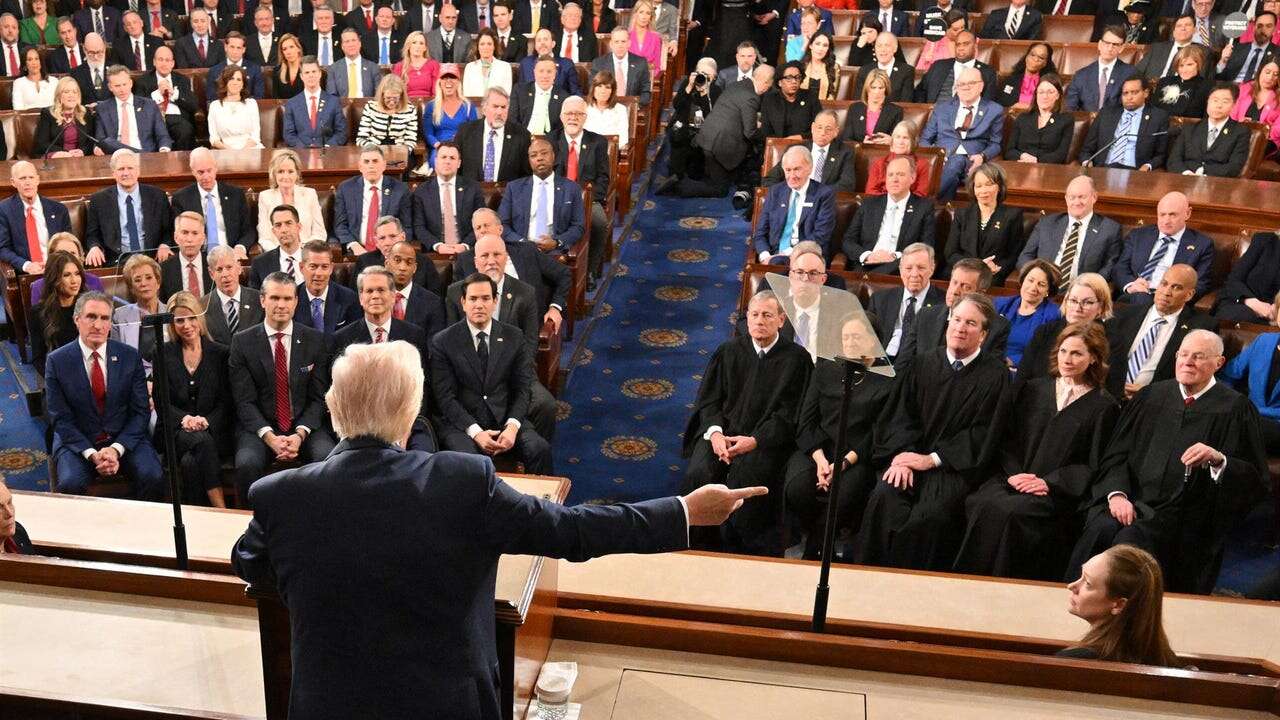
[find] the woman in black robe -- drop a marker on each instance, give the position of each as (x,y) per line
(809,470)
(1051,433)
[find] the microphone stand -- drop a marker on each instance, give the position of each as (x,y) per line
(854,373)
(160,391)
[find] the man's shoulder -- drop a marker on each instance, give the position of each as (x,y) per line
(343,293)
(61,355)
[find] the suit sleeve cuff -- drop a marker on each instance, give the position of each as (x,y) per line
(120,451)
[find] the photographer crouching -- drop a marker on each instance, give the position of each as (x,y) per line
(730,139)
(691,105)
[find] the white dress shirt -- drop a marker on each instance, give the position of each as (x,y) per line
(86,356)
(1157,351)
(542,226)
(42,230)
(895,340)
(890,227)
(198,261)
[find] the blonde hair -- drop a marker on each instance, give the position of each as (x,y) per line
(278,158)
(873,76)
(405,60)
(185,300)
(635,13)
(55,110)
(389,83)
(133,264)
(376,391)
(1101,291)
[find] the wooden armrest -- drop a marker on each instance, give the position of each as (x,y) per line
(548,356)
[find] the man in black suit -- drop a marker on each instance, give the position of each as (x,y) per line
(360,16)
(928,332)
(1143,146)
(200,49)
(533,15)
(323,305)
(940,81)
(493,149)
(325,41)
(438,523)
(383,34)
(70,54)
(1157,61)
(95,17)
(1240,64)
(833,163)
(279,373)
(1144,339)
(230,306)
(482,372)
(11,50)
(187,269)
(512,46)
(387,233)
(376,325)
(535,105)
(411,301)
(230,222)
(148,224)
(173,97)
(1017,21)
(884,225)
(446,233)
(895,309)
(91,75)
(262,36)
(287,256)
(1216,146)
(160,22)
(476,14)
(421,16)
(221,16)
(550,279)
(575,42)
(728,139)
(631,72)
(583,157)
(134,48)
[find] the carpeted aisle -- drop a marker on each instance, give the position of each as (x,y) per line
(23,462)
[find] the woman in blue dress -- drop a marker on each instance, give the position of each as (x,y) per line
(1031,307)
(446,112)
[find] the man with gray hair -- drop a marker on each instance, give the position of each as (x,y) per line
(1186,464)
(493,150)
(128,216)
(583,157)
(230,306)
(199,49)
(833,164)
(794,211)
(728,139)
(223,206)
(895,308)
(27,221)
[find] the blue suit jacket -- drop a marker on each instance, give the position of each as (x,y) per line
(566,73)
(1082,93)
(348,207)
(437,522)
(1195,249)
(253,74)
(567,212)
(1254,365)
(331,122)
(983,137)
(69,398)
(13,227)
(151,131)
(817,221)
(793,21)
(341,308)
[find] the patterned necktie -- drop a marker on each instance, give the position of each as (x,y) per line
(957,365)
(131,224)
(34,251)
(447,217)
(290,269)
(1015,19)
(1213,135)
(193,280)
(233,316)
(490,163)
(1061,7)
(378,335)
(1202,32)
(909,315)
(789,227)
(1157,257)
(97,23)
(1246,73)
(137,55)
(317,313)
(284,413)
(397,310)
(819,161)
(1120,150)
(1139,356)
(1069,251)
(200,49)
(98,383)
(210,221)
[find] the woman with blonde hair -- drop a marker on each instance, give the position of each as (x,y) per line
(873,118)
(486,69)
(446,112)
(234,123)
(288,78)
(1120,593)
(285,177)
(1184,91)
(1087,299)
(199,398)
(142,279)
(645,41)
(76,139)
(416,68)
(389,119)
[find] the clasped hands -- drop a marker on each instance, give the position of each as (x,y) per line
(730,447)
(902,470)
(106,461)
(194,423)
(492,442)
(286,447)
(826,469)
(1198,455)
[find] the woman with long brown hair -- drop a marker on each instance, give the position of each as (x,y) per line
(65,274)
(1120,593)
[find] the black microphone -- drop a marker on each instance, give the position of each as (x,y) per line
(1089,162)
(62,129)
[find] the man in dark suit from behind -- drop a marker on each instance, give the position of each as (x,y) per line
(230,306)
(728,139)
(24,212)
(222,205)
(437,521)
(493,149)
(323,305)
(188,268)
(279,370)
(482,372)
(444,225)
(173,95)
(102,431)
(929,331)
(895,309)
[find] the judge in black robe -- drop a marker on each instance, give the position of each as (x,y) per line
(1012,533)
(934,446)
(818,426)
(1180,512)
(749,399)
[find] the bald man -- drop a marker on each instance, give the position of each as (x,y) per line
(1149,252)
(28,220)
(1079,240)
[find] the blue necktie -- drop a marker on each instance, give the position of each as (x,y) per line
(324,53)
(1143,351)
(540,213)
(1157,256)
(802,330)
(384,54)
(789,227)
(489,164)
(210,222)
(131,224)
(1120,151)
(317,314)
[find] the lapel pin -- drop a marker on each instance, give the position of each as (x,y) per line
(801,103)
(115,359)
(500,339)
(910,209)
(1184,327)
(1008,88)
(1050,121)
(997,225)
(1225,131)
(386,191)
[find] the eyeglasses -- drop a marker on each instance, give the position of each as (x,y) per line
(808,275)
(1198,357)
(791,77)
(1086,303)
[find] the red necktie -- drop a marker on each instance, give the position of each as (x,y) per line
(370,239)
(164,101)
(13,62)
(98,383)
(968,119)
(571,162)
(11,547)
(397,311)
(368,20)
(33,237)
(241,6)
(1061,7)
(137,55)
(568,47)
(193,280)
(71,57)
(378,337)
(313,112)
(1187,401)
(200,48)
(155,20)
(284,414)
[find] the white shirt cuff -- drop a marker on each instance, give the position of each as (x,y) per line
(264,430)
(303,431)
(764,257)
(937,461)
(863,257)
(712,431)
(120,451)
(353,246)
(1114,493)
(557,307)
(513,421)
(685,506)
(473,430)
(88,453)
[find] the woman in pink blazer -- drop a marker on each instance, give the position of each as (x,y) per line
(645,41)
(1260,101)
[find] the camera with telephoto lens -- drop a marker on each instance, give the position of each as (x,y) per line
(700,79)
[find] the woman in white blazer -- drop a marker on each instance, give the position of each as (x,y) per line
(286,188)
(485,70)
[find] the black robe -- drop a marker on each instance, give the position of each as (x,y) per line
(1035,356)
(1180,520)
(746,395)
(818,426)
(1016,534)
(937,410)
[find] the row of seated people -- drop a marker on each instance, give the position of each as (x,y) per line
(235,396)
(955,463)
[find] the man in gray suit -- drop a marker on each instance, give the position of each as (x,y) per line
(230,306)
(1077,241)
(631,71)
(353,64)
(447,42)
(746,58)
(728,138)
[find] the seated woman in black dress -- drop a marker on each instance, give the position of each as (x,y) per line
(199,398)
(872,118)
(1049,437)
(986,228)
(64,129)
(1042,134)
(809,470)
(52,324)
(1185,92)
(1120,594)
(1019,86)
(1088,299)
(1252,283)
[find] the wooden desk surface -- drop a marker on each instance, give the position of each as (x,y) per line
(602,667)
(1195,624)
(73,177)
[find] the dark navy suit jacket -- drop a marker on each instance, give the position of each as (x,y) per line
(428,219)
(256,86)
(566,211)
(817,218)
(151,131)
(425,644)
(68,396)
(341,307)
(1194,249)
(13,227)
(1082,93)
(425,309)
(331,122)
(348,206)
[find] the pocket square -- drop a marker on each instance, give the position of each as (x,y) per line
(306,368)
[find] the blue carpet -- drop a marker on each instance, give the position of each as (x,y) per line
(23,462)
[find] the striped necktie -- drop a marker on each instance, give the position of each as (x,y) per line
(1140,354)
